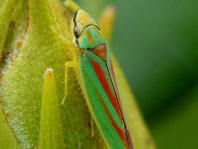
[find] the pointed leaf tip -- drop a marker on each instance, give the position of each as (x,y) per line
(49,72)
(51,134)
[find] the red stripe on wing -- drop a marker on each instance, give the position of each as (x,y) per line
(101,76)
(113,98)
(118,130)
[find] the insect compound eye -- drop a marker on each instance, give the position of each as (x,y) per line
(76,31)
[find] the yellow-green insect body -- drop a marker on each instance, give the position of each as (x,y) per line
(98,81)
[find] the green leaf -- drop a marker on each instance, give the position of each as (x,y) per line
(51,133)
(6,10)
(7,138)
(36,35)
(39,41)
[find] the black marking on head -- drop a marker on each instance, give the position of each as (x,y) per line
(74,18)
(76,31)
(77,41)
(93,25)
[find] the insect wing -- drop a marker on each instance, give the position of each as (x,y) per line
(102,100)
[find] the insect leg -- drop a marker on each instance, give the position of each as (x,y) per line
(67,65)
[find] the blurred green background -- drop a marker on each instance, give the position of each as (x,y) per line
(156,44)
